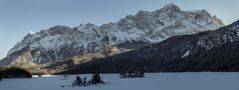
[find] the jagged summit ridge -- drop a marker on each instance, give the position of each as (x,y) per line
(170,8)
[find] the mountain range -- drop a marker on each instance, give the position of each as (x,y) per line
(158,32)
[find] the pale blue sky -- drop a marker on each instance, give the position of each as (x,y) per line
(18,17)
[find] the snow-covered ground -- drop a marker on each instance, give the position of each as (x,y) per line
(154,81)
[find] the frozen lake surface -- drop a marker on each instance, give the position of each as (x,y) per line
(153,81)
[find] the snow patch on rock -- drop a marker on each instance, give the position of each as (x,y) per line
(186,54)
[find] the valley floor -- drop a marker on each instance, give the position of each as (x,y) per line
(152,81)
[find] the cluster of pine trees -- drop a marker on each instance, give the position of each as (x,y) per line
(14,72)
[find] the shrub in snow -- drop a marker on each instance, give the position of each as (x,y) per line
(95,79)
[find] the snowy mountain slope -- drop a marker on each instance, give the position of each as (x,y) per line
(62,42)
(215,50)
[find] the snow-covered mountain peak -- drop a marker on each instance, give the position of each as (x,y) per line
(87,26)
(170,8)
(31,33)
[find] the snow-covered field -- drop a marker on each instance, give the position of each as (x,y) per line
(153,81)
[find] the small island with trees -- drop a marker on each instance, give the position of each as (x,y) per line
(132,74)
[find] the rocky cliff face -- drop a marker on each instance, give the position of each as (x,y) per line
(129,33)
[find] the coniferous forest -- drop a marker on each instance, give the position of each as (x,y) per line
(14,72)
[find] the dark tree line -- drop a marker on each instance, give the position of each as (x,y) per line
(220,59)
(14,72)
(0,77)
